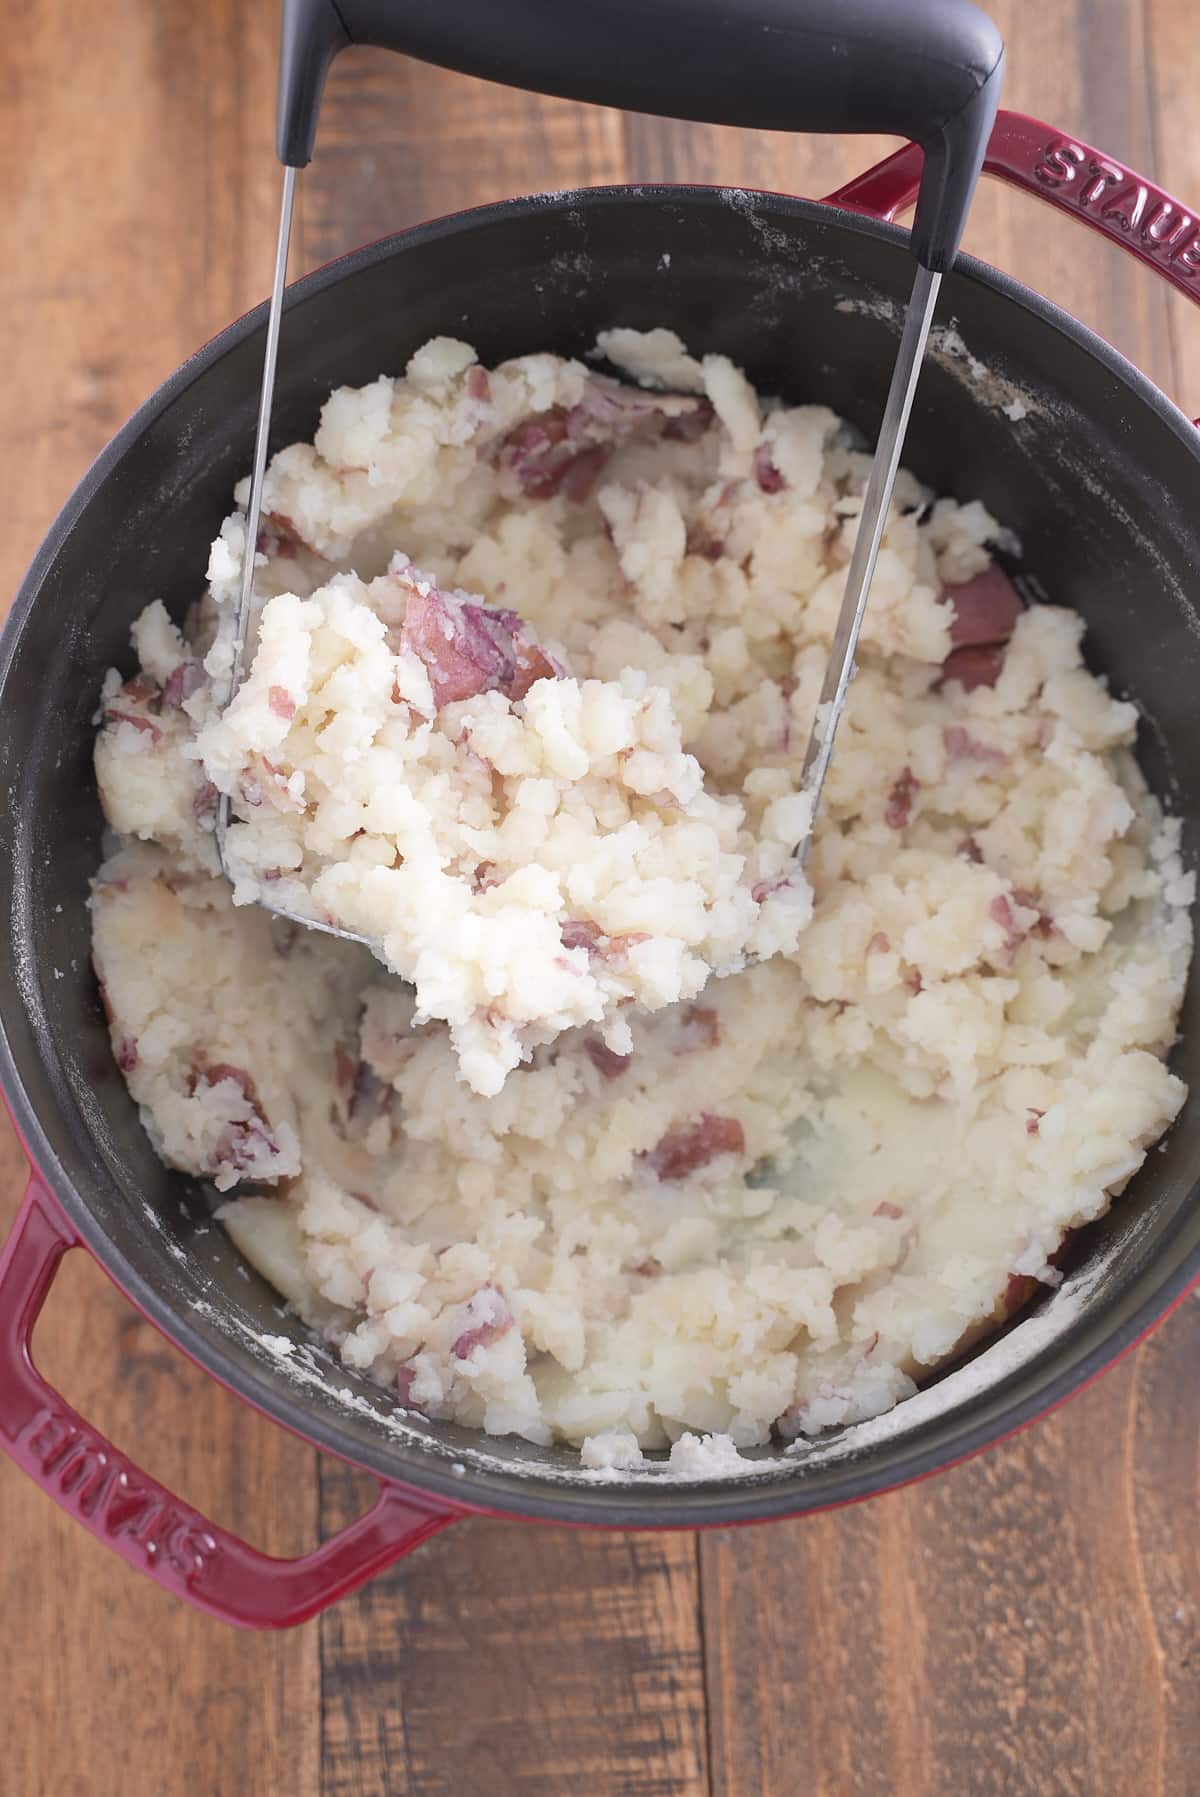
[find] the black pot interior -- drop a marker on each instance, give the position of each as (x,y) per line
(1099,479)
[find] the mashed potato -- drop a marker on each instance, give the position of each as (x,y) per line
(532,851)
(557,1189)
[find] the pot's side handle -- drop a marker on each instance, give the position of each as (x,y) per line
(1072,176)
(133,1514)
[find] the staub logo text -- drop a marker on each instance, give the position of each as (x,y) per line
(106,1492)
(1124,203)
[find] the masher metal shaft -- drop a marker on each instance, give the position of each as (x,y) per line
(261,435)
(263,430)
(872,519)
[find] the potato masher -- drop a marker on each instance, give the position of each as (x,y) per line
(931,72)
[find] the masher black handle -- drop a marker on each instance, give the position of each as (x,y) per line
(928,70)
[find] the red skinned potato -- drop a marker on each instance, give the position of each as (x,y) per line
(986,608)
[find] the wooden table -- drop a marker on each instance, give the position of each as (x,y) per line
(1026,1623)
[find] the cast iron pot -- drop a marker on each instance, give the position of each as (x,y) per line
(1100,478)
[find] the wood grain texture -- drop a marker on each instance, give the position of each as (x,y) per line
(1171,64)
(509,1658)
(1020,1625)
(1029,1623)
(400,142)
(136,145)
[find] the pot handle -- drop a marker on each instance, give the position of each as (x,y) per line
(1070,175)
(140,1519)
(929,71)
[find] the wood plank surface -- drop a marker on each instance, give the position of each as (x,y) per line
(135,141)
(1028,1623)
(1024,1624)
(1172,55)
(506,1657)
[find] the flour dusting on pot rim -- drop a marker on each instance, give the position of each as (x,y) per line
(766,1209)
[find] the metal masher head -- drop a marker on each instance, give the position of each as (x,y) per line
(872,519)
(930,74)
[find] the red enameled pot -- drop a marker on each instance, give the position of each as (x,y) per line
(1100,477)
